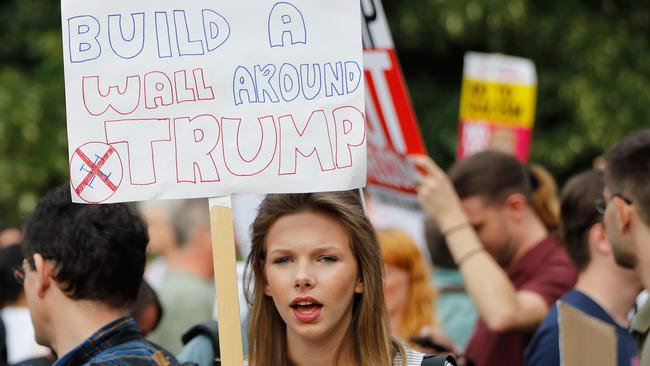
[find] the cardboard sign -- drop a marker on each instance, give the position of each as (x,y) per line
(497,105)
(392,128)
(585,340)
(177,99)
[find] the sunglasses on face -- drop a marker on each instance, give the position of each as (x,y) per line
(19,274)
(601,204)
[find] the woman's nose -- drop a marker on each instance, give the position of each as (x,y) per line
(303,278)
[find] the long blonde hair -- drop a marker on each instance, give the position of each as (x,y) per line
(399,250)
(369,331)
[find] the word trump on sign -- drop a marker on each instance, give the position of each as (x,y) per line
(169,99)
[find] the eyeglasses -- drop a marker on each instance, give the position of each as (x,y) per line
(19,274)
(601,204)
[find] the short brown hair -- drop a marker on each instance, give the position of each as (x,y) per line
(579,214)
(627,171)
(494,175)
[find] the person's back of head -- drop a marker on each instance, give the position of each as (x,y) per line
(437,244)
(163,233)
(192,219)
(147,310)
(9,234)
(10,289)
(97,251)
(579,214)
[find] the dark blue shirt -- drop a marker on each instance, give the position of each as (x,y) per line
(117,343)
(544,348)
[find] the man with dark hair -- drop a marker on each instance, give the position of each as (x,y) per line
(626,198)
(82,270)
(604,290)
(493,219)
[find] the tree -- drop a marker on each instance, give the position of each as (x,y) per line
(592,57)
(592,60)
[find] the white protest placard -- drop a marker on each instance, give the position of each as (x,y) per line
(181,99)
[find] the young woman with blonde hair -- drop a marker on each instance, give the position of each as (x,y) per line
(317,296)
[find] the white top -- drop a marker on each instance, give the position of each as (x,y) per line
(20,335)
(413,358)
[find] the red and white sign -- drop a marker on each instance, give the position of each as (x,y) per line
(392,129)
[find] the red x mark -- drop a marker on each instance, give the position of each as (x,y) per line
(95,170)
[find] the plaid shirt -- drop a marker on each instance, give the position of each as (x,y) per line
(117,343)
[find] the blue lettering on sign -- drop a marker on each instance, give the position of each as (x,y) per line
(311,89)
(83,45)
(215,28)
(125,46)
(263,84)
(125,34)
(286,22)
(163,38)
(264,76)
(244,83)
(186,45)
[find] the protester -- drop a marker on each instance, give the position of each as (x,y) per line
(626,198)
(187,291)
(14,314)
(604,290)
(82,270)
(9,234)
(317,293)
(513,269)
(146,310)
(163,237)
(456,312)
(408,292)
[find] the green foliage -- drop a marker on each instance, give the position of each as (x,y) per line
(592,58)
(33,145)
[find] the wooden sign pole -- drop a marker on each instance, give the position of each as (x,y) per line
(225,278)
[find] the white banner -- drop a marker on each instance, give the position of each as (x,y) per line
(179,99)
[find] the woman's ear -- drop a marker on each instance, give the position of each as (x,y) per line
(359,287)
(267,289)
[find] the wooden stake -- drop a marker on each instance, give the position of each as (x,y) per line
(225,279)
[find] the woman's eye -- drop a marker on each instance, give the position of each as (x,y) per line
(281,260)
(328,259)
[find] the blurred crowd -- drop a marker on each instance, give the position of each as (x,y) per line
(502,252)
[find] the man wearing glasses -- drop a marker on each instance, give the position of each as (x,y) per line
(627,217)
(82,270)
(604,290)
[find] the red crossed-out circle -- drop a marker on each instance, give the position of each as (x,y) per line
(96,171)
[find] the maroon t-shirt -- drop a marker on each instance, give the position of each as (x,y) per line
(545,269)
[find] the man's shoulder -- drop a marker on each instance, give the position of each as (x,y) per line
(544,347)
(136,352)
